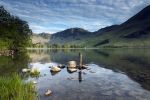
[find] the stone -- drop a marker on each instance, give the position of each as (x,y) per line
(55,69)
(72,70)
(61,66)
(72,64)
(48,92)
(84,66)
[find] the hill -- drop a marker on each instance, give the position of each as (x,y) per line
(70,36)
(135,32)
(42,38)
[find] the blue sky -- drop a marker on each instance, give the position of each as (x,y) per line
(56,15)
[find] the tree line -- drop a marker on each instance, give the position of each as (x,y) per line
(14,32)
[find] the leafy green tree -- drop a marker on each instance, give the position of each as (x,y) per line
(14,32)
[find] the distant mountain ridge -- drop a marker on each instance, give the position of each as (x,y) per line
(135,32)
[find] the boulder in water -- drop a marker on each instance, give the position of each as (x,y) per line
(55,69)
(72,64)
(71,70)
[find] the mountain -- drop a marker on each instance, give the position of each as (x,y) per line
(71,36)
(106,29)
(135,32)
(42,38)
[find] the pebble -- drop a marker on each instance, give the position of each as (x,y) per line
(48,92)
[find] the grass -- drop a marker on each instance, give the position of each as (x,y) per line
(13,88)
(35,73)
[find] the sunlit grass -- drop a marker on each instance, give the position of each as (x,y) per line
(13,88)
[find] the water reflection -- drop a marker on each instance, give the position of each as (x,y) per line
(111,74)
(13,64)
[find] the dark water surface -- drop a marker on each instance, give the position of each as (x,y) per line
(112,74)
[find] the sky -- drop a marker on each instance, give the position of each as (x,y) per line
(51,16)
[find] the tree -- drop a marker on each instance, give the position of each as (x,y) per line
(14,32)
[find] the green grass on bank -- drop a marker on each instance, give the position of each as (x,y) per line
(13,88)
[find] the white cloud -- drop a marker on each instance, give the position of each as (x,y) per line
(56,15)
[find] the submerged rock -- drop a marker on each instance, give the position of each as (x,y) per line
(48,92)
(55,69)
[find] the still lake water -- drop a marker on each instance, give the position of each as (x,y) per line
(112,74)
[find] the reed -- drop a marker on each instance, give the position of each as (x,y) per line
(13,88)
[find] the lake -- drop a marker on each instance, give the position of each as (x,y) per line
(112,74)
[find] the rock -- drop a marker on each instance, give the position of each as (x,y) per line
(72,64)
(61,66)
(71,70)
(84,66)
(25,70)
(55,69)
(48,92)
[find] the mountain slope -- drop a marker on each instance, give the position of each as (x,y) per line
(42,38)
(135,32)
(69,36)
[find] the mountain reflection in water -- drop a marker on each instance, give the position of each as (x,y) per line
(113,73)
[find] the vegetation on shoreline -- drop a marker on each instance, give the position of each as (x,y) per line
(13,88)
(55,46)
